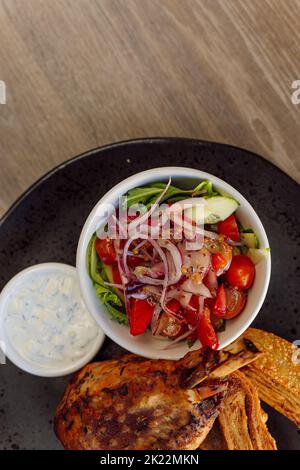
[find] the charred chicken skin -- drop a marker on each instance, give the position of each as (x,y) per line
(137,403)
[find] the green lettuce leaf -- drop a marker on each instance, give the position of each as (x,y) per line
(147,195)
(106,294)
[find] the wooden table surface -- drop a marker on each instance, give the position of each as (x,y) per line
(82,73)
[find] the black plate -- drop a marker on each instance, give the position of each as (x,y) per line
(45,223)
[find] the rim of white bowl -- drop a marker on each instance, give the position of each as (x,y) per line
(161,173)
(12,354)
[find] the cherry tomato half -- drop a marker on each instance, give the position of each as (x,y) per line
(220,302)
(222,258)
(140,314)
(241,272)
(206,332)
(174,306)
(105,250)
(229,228)
(218,262)
(170,327)
(236,300)
(192,313)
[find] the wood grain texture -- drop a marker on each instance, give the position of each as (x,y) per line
(82,73)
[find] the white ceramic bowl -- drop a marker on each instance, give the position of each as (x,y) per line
(13,355)
(146,345)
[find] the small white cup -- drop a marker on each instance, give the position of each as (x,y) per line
(11,352)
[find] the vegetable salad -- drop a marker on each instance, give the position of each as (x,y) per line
(178,287)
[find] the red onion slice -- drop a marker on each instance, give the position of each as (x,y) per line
(195,244)
(155,319)
(124,278)
(116,286)
(211,281)
(176,257)
(180,295)
(154,272)
(184,298)
(142,243)
(210,234)
(195,288)
(172,294)
(233,243)
(139,295)
(149,280)
(132,227)
(170,264)
(125,254)
(163,282)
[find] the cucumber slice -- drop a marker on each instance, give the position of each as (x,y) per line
(258,254)
(218,208)
(214,209)
(250,240)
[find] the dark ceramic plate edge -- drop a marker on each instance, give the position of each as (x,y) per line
(104,147)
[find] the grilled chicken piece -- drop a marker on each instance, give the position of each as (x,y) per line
(276,374)
(136,403)
(242,421)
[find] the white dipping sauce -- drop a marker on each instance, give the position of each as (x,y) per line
(47,321)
